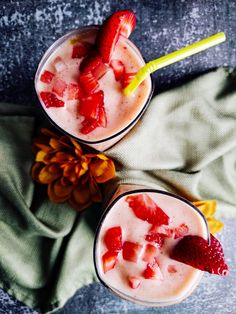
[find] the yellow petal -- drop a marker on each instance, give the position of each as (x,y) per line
(43,147)
(37,167)
(214,225)
(56,143)
(207,207)
(78,149)
(40,156)
(102,170)
(48,174)
(101,156)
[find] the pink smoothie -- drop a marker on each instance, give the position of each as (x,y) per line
(175,280)
(120,110)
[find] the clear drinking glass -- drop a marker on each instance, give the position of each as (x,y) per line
(104,142)
(122,192)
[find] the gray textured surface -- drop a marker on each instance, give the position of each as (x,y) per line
(28,27)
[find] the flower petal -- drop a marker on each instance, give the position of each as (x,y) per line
(59,193)
(80,198)
(214,225)
(40,156)
(78,149)
(102,170)
(48,133)
(95,191)
(37,167)
(49,173)
(207,207)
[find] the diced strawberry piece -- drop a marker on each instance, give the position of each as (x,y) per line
(113,239)
(127,78)
(88,125)
(109,260)
(172,269)
(89,105)
(50,100)
(146,209)
(74,91)
(118,68)
(134,282)
(100,71)
(153,271)
(180,231)
(59,87)
(131,251)
(88,83)
(163,230)
(155,238)
(59,64)
(149,253)
(81,49)
(46,77)
(119,23)
(196,252)
(102,117)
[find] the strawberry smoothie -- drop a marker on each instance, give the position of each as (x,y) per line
(132,250)
(80,82)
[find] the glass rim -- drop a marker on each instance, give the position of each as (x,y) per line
(49,52)
(97,232)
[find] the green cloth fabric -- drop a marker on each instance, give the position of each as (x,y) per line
(185,143)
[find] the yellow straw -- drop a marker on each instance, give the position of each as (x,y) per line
(173,57)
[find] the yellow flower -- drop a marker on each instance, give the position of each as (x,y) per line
(208,208)
(70,175)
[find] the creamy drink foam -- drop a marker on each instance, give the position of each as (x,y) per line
(120,109)
(130,277)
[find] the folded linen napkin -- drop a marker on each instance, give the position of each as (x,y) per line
(185,143)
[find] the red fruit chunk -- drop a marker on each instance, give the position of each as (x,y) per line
(81,50)
(100,71)
(50,100)
(88,83)
(180,231)
(74,91)
(149,253)
(153,271)
(127,78)
(94,64)
(59,64)
(196,252)
(113,239)
(163,230)
(119,23)
(46,77)
(102,117)
(88,125)
(59,87)
(118,68)
(89,106)
(131,251)
(146,209)
(156,238)
(134,282)
(172,269)
(109,260)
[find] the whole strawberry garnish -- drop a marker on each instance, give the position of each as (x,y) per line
(119,23)
(196,252)
(146,209)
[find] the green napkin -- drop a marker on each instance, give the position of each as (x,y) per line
(185,143)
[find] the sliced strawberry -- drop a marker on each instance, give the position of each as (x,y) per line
(74,91)
(46,77)
(119,23)
(94,63)
(88,125)
(118,69)
(89,106)
(88,83)
(102,117)
(146,209)
(131,251)
(171,269)
(153,271)
(59,64)
(155,238)
(100,71)
(50,100)
(81,49)
(113,239)
(196,252)
(59,87)
(127,78)
(149,253)
(134,282)
(180,231)
(109,260)
(163,230)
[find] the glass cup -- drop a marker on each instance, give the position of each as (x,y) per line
(105,142)
(115,281)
